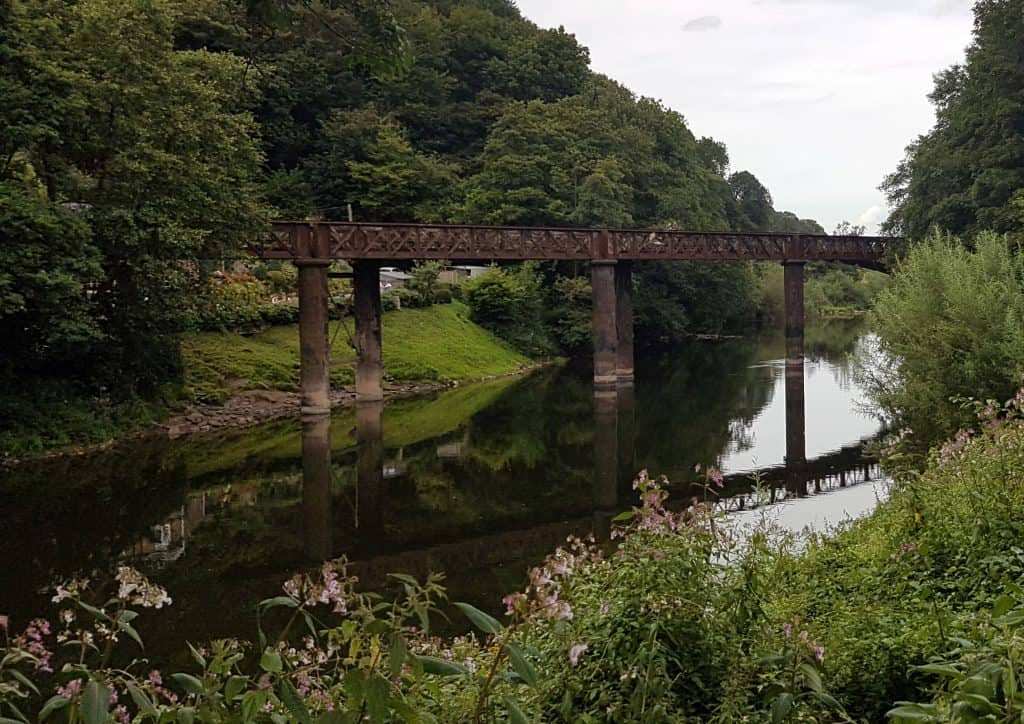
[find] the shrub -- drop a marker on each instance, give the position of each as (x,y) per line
(951,324)
(510,303)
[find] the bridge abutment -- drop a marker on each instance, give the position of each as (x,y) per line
(369,364)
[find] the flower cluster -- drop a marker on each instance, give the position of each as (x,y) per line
(334,588)
(31,641)
(542,597)
(803,642)
(135,589)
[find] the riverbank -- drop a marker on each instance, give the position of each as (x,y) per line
(232,380)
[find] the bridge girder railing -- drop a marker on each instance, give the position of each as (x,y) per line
(404,242)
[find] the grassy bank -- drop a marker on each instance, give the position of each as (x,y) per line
(435,344)
(438,343)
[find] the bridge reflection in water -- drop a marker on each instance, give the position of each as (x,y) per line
(614,469)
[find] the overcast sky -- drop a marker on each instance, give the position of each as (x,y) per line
(817,98)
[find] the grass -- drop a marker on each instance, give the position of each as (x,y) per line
(437,344)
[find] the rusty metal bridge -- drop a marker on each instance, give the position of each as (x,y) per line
(451,242)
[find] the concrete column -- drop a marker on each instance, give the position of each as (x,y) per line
(369,367)
(316,487)
(369,474)
(602,281)
(314,352)
(624,320)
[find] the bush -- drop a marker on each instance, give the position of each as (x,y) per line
(510,303)
(951,324)
(443,296)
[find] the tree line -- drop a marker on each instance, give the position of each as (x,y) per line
(137,133)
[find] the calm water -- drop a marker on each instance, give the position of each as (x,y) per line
(480,482)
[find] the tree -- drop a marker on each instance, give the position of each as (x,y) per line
(755,203)
(967,173)
(153,148)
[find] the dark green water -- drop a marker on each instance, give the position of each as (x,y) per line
(480,482)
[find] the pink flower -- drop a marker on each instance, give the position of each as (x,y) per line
(787,629)
(715,476)
(819,653)
(512,601)
(576,652)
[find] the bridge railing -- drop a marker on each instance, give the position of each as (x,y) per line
(368,241)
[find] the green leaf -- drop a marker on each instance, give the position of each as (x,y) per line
(812,677)
(271,661)
(938,669)
(440,667)
(130,630)
(200,659)
(286,601)
(405,579)
(234,687)
(294,704)
(397,655)
(54,703)
(521,665)
(1002,605)
(1012,619)
(377,698)
(515,714)
(189,683)
(142,700)
(252,703)
(624,517)
(186,715)
(484,622)
(95,703)
(781,707)
(24,680)
(911,712)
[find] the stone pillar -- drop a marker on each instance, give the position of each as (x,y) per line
(316,487)
(369,474)
(314,352)
(369,366)
(602,281)
(624,320)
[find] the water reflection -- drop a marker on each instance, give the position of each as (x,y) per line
(480,481)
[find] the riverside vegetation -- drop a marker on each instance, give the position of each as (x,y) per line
(116,218)
(916,612)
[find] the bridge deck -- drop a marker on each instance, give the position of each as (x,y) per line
(355,241)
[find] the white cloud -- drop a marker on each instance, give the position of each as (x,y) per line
(705,22)
(817,98)
(871,218)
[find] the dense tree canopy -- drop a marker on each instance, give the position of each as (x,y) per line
(967,173)
(142,138)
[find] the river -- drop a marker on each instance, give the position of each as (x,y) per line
(481,482)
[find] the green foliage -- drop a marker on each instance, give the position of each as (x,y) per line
(967,174)
(510,304)
(949,326)
(423,283)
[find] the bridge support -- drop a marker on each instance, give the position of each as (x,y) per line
(624,320)
(606,462)
(796,456)
(369,367)
(369,473)
(316,487)
(314,352)
(606,332)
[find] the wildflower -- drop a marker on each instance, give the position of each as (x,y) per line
(154,678)
(605,608)
(71,689)
(513,602)
(819,653)
(136,589)
(70,589)
(121,714)
(787,629)
(576,652)
(715,476)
